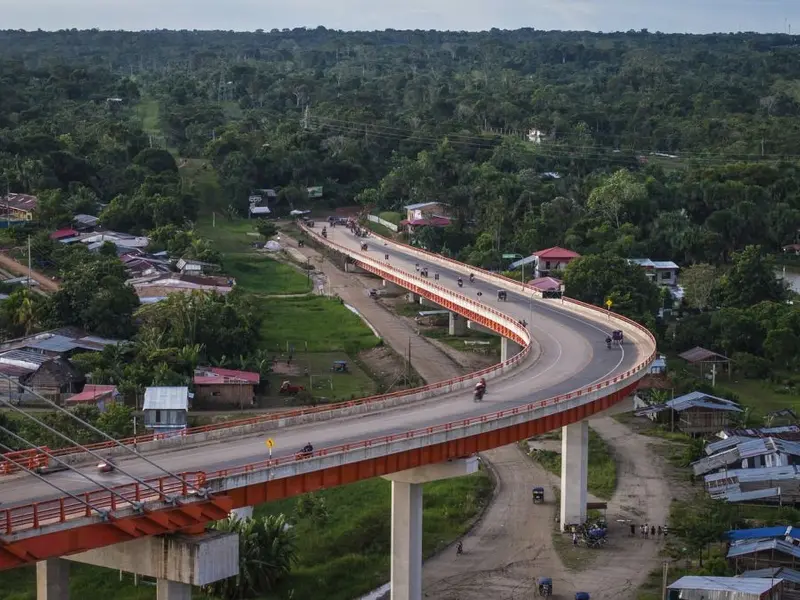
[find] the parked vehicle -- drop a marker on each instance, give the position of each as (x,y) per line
(545,586)
(538,495)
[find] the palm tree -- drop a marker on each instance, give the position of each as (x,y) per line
(267,552)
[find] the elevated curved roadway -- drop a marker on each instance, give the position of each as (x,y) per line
(535,391)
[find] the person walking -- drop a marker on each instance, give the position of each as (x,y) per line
(574,539)
(633,529)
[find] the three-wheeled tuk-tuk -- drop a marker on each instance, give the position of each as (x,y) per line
(538,495)
(502,295)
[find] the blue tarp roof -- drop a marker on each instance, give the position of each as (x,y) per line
(759,533)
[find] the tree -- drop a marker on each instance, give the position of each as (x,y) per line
(267,552)
(616,195)
(750,280)
(596,278)
(698,282)
(116,421)
(266,228)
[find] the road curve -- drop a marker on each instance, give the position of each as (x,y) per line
(572,355)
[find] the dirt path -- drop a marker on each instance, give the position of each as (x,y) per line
(428,361)
(512,545)
(45,283)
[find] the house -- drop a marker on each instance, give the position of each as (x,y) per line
(166,409)
(694,413)
(162,284)
(64,341)
(63,234)
(97,395)
(777,485)
(85,222)
(702,587)
(215,387)
(195,267)
(748,555)
(53,379)
(121,240)
(552,260)
(9,380)
(660,272)
(139,264)
(548,287)
(750,454)
(426,210)
(791,578)
(19,207)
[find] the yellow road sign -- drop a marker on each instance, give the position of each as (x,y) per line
(270,443)
(609,303)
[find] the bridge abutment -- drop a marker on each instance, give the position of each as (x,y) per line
(508,349)
(574,473)
(52,579)
(457,325)
(406,559)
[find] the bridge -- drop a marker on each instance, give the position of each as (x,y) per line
(555,372)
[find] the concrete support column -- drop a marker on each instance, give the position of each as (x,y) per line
(458,324)
(574,473)
(392,288)
(406,560)
(406,548)
(172,590)
(413,298)
(246,512)
(426,302)
(52,579)
(508,349)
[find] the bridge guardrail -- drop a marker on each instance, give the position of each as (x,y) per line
(20,518)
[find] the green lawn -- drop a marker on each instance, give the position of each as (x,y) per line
(85,582)
(348,555)
(761,396)
(459,342)
(602,476)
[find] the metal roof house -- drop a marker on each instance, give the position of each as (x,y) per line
(750,453)
(696,587)
(768,484)
(694,413)
(166,409)
(749,555)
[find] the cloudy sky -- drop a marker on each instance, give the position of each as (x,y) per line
(695,16)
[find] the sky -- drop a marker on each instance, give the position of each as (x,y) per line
(682,16)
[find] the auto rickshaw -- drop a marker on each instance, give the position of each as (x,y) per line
(424,271)
(538,495)
(502,295)
(325,232)
(545,586)
(363,247)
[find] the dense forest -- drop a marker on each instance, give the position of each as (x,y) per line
(672,147)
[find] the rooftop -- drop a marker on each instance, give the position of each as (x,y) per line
(63,233)
(745,548)
(694,400)
(433,221)
(659,265)
(556,252)
(776,573)
(218,376)
(698,354)
(546,284)
(22,202)
(92,393)
(166,398)
(747,585)
(422,205)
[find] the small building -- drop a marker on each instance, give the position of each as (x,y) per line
(160,285)
(19,207)
(791,579)
(195,267)
(426,210)
(85,222)
(95,395)
(62,234)
(660,272)
(166,409)
(552,260)
(694,413)
(55,378)
(751,454)
(767,485)
(701,587)
(548,287)
(216,387)
(749,555)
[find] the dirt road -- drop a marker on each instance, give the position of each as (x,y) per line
(512,545)
(45,283)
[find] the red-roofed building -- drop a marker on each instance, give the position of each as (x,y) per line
(63,234)
(550,287)
(99,395)
(552,260)
(214,386)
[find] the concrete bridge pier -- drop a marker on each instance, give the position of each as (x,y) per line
(177,563)
(392,288)
(574,473)
(480,328)
(413,298)
(406,559)
(457,325)
(508,349)
(52,579)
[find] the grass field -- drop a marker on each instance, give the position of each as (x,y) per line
(349,555)
(761,396)
(602,476)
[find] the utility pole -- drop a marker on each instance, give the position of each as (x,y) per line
(665,571)
(29,263)
(408,362)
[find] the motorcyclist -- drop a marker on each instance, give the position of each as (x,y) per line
(460,282)
(481,385)
(308,448)
(608,341)
(471,278)
(416,266)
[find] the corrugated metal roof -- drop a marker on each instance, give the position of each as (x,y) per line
(744,549)
(728,584)
(55,343)
(760,446)
(776,572)
(698,354)
(166,398)
(694,400)
(24,356)
(759,474)
(760,532)
(421,205)
(732,495)
(664,264)
(714,447)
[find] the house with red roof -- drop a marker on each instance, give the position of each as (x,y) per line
(98,395)
(548,287)
(552,260)
(214,386)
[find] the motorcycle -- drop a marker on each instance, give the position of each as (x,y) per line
(471,278)
(460,283)
(106,466)
(608,343)
(479,392)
